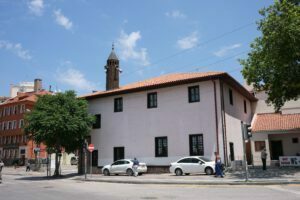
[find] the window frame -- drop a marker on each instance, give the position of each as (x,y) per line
(200,149)
(152,102)
(192,95)
(160,141)
(97,124)
(118,104)
(258,145)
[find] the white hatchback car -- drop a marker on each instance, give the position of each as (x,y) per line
(193,165)
(123,167)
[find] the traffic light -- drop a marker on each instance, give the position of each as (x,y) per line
(247,131)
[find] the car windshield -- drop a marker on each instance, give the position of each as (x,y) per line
(205,159)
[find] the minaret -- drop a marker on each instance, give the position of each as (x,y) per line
(112,71)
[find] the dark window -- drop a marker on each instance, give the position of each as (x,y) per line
(245,106)
(95,158)
(152,100)
(118,105)
(161,147)
(196,145)
(295,140)
(259,145)
(97,123)
(230,97)
(194,95)
(119,153)
(22,151)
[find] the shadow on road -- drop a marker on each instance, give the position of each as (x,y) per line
(40,178)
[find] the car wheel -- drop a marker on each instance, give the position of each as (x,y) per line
(106,172)
(209,171)
(178,172)
(129,172)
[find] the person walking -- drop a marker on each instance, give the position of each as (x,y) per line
(218,167)
(135,167)
(264,156)
(28,166)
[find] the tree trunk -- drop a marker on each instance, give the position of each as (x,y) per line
(57,163)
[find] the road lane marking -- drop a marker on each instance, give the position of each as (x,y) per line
(280,188)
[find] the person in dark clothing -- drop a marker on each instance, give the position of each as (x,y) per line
(218,167)
(28,167)
(264,156)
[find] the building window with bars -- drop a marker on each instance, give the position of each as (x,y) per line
(152,100)
(161,147)
(196,145)
(194,95)
(118,104)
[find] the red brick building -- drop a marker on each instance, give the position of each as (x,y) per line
(13,142)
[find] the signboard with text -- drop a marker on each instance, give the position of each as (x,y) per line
(289,160)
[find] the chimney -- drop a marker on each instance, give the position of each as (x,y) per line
(37,85)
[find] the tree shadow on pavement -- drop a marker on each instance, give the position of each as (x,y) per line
(46,178)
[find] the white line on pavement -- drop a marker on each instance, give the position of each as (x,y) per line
(280,188)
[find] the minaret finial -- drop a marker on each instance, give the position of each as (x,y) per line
(113,46)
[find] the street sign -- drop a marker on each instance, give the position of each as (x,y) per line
(91,147)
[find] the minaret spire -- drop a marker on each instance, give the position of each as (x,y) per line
(112,70)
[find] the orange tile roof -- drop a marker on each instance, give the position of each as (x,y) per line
(26,96)
(167,81)
(276,122)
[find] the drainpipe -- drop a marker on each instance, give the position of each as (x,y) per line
(216,117)
(223,124)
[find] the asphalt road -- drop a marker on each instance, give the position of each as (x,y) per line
(26,187)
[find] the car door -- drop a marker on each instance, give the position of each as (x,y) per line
(124,166)
(195,165)
(185,165)
(115,167)
(202,166)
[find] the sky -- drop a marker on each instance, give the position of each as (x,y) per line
(66,42)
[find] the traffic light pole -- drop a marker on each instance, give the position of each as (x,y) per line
(244,149)
(85,160)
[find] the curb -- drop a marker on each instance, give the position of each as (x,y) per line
(151,182)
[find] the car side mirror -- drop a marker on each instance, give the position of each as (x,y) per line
(200,163)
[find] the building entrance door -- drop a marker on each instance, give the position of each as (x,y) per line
(276,149)
(118,153)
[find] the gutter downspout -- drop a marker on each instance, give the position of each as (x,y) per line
(216,116)
(223,124)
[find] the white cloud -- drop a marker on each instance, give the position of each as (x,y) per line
(129,50)
(189,41)
(175,14)
(62,20)
(16,49)
(224,50)
(36,7)
(75,78)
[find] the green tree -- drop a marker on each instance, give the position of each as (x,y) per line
(273,65)
(59,121)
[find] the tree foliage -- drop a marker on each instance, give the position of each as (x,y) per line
(273,65)
(59,121)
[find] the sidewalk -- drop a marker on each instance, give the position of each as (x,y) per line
(273,176)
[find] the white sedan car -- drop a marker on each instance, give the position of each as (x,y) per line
(123,167)
(193,165)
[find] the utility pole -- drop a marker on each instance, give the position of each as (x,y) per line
(245,135)
(85,159)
